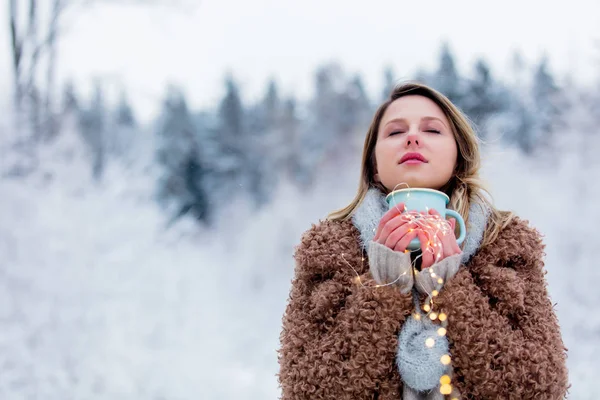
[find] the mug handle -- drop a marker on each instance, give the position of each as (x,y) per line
(461,223)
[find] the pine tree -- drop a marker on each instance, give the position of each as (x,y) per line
(233,163)
(265,145)
(92,126)
(181,185)
(389,83)
(483,98)
(124,113)
(290,126)
(548,104)
(322,130)
(447,78)
(355,108)
(122,135)
(70,102)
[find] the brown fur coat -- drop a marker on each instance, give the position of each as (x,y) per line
(340,336)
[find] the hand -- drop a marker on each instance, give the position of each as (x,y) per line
(436,243)
(395,229)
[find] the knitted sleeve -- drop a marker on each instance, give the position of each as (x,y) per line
(504,336)
(339,335)
(389,267)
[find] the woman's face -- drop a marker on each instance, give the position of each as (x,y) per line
(415,145)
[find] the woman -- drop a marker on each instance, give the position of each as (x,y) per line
(368,319)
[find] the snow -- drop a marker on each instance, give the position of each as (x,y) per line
(98,300)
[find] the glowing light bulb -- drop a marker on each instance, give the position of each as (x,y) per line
(430,342)
(441,331)
(433,316)
(445,380)
(442,317)
(445,359)
(445,389)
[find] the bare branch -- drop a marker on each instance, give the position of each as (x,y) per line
(31,40)
(16,42)
(32,27)
(51,67)
(17,53)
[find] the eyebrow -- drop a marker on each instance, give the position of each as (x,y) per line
(422,119)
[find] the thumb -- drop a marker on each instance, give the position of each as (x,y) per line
(453,223)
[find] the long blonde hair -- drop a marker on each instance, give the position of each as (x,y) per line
(465,185)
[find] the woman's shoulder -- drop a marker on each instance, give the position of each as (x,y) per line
(326,233)
(326,243)
(518,243)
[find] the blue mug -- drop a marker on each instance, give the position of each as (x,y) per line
(422,200)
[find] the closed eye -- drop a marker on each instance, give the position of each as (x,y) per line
(432,131)
(395,132)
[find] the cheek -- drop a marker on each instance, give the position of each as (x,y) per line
(383,152)
(448,153)
(380,154)
(452,156)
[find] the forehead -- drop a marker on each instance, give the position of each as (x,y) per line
(413,107)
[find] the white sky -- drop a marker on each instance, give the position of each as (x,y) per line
(147,48)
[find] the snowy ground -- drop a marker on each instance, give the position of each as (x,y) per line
(98,301)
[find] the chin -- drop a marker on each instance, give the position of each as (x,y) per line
(414,183)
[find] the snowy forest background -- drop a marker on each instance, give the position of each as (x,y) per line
(154,259)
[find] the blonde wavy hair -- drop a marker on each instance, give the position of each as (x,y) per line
(465,185)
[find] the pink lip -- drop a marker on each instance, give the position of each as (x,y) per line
(413,158)
(413,161)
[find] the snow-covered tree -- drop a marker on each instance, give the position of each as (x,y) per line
(290,126)
(355,108)
(483,97)
(233,139)
(180,186)
(447,78)
(92,123)
(122,135)
(389,82)
(124,113)
(265,149)
(548,103)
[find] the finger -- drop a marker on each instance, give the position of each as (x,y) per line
(433,211)
(437,246)
(389,215)
(391,226)
(453,224)
(403,243)
(447,241)
(451,242)
(398,233)
(427,254)
(456,247)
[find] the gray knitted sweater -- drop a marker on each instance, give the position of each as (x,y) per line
(418,364)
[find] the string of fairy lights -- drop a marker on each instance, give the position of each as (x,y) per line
(434,227)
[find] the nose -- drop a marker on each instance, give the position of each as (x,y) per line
(412,140)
